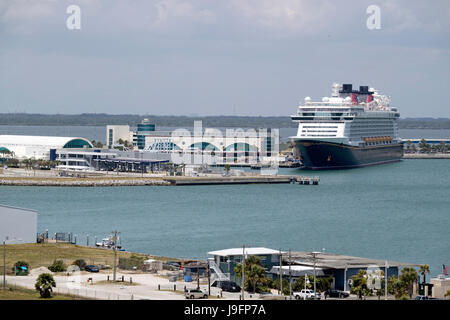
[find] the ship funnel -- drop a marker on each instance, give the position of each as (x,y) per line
(363,89)
(347,88)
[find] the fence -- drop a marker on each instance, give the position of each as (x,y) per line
(182,287)
(83,292)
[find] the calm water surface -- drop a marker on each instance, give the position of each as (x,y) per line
(398,211)
(98,133)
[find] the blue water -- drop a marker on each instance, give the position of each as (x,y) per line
(396,211)
(98,133)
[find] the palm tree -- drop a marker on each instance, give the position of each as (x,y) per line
(408,277)
(408,145)
(44,284)
(255,274)
(359,284)
(424,269)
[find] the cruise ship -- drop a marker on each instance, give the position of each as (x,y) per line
(350,129)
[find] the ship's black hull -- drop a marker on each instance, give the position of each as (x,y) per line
(319,155)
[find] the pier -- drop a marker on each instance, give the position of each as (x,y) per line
(156,181)
(426,156)
(210,180)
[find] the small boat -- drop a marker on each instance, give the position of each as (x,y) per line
(108,243)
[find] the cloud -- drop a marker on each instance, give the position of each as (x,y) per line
(25,9)
(172,11)
(416,15)
(288,15)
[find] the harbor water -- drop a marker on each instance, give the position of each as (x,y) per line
(98,133)
(397,211)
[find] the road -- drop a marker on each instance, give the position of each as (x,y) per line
(145,286)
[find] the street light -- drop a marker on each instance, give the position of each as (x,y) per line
(306,282)
(229,272)
(314,255)
(115,232)
(4,259)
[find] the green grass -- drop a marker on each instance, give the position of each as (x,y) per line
(19,293)
(37,254)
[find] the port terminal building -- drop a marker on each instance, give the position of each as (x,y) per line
(417,142)
(40,147)
(110,160)
(340,267)
(227,146)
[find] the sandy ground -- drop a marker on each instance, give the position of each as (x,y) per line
(145,287)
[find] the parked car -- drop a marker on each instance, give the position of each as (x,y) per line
(91,268)
(172,265)
(195,294)
(334,293)
(425,298)
(306,294)
(227,286)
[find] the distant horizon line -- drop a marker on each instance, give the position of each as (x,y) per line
(185,116)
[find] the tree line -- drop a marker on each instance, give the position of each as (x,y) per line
(401,286)
(102,119)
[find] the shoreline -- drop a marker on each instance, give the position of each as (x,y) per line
(156,181)
(426,156)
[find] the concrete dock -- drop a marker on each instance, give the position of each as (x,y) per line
(241,180)
(426,156)
(156,181)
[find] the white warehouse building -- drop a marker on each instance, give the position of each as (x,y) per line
(40,147)
(17,225)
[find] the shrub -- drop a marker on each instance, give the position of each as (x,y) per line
(80,263)
(129,263)
(19,264)
(57,266)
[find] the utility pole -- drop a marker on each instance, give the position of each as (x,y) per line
(306,280)
(4,264)
(345,278)
(385,279)
(209,280)
(4,260)
(243,272)
(281,274)
(115,232)
(198,277)
(314,255)
(290,277)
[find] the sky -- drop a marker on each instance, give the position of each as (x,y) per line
(220,57)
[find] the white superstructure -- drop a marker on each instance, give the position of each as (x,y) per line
(352,117)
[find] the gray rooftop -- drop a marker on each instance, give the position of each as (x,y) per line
(335,261)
